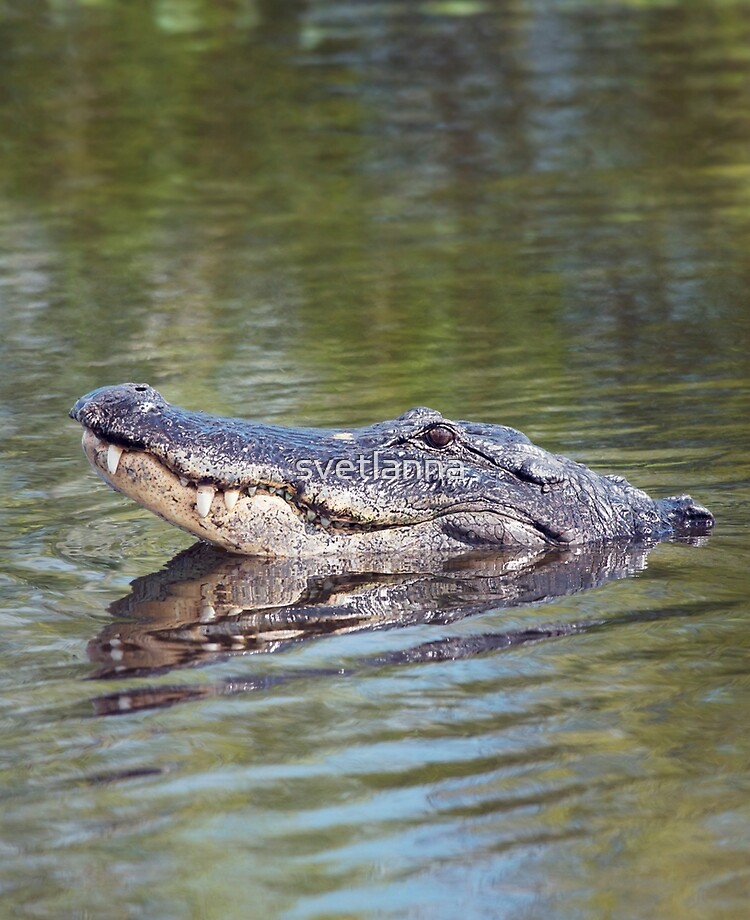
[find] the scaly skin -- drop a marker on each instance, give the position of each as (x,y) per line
(418,484)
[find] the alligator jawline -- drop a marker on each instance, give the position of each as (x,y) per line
(315,516)
(206,489)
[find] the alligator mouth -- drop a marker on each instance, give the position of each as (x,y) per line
(123,466)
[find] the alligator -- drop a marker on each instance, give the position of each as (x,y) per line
(418,484)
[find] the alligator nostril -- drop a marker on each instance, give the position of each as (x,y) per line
(141,388)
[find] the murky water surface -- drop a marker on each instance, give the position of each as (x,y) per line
(528,212)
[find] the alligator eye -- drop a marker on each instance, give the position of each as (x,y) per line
(439,436)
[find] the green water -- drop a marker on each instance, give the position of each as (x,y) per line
(531,212)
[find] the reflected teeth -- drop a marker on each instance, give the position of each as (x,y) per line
(113,458)
(231,497)
(204,495)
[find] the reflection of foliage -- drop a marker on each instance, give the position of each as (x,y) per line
(431,200)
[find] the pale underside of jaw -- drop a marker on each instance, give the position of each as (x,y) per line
(261,518)
(205,493)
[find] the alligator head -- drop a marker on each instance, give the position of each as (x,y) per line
(420,483)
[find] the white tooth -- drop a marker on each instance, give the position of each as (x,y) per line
(113,458)
(325,522)
(204,495)
(288,495)
(252,490)
(183,481)
(311,515)
(231,497)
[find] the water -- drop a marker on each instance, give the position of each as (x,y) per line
(527,212)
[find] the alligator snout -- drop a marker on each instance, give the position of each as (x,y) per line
(128,412)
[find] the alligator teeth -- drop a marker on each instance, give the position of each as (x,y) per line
(231,497)
(252,490)
(113,458)
(325,522)
(183,481)
(311,515)
(204,495)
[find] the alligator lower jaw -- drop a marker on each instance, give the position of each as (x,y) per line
(260,520)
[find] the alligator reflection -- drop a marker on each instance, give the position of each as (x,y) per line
(207,606)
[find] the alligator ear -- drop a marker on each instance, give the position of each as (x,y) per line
(537,466)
